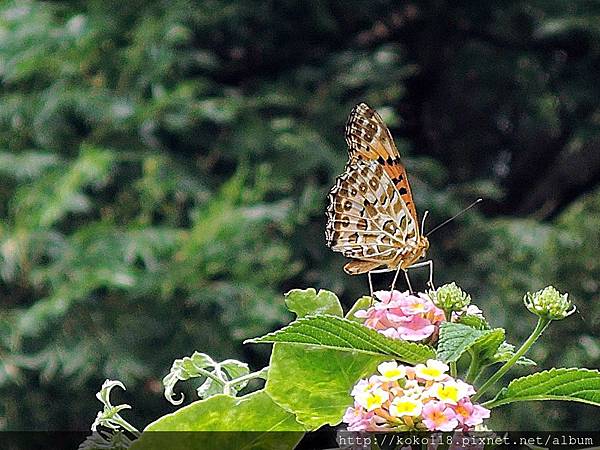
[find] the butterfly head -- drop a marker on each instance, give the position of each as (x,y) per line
(417,252)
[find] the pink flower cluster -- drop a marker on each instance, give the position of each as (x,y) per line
(402,315)
(424,397)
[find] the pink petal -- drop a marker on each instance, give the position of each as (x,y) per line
(416,330)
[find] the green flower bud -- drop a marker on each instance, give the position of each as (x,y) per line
(450,297)
(549,303)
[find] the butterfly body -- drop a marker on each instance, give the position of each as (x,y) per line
(371,213)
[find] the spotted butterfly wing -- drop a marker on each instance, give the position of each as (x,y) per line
(369,138)
(371,214)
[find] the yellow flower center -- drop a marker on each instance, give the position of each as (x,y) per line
(431,371)
(461,410)
(448,393)
(418,306)
(406,407)
(374,400)
(391,373)
(438,418)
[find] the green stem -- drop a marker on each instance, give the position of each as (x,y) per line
(126,425)
(211,375)
(539,329)
(474,368)
(453,370)
(258,374)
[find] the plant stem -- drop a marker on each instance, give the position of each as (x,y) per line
(538,330)
(448,316)
(258,374)
(211,375)
(127,426)
(474,368)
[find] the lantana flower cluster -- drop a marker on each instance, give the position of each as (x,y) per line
(402,315)
(423,397)
(411,317)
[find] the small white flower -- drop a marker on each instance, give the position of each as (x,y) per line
(391,371)
(451,391)
(474,310)
(372,399)
(405,406)
(433,371)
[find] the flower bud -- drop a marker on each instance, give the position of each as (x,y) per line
(450,297)
(549,303)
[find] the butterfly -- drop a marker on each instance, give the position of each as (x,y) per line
(371,217)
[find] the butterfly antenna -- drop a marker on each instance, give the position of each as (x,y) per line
(455,216)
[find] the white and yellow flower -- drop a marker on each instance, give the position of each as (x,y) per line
(372,399)
(391,371)
(405,406)
(432,371)
(450,392)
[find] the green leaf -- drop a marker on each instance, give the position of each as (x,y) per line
(486,346)
(315,383)
(304,302)
(362,303)
(256,413)
(455,339)
(342,334)
(578,385)
(202,365)
(476,322)
(506,351)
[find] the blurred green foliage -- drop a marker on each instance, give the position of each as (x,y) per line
(164,169)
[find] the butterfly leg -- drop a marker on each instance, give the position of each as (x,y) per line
(395,278)
(370,286)
(430,282)
(410,289)
(371,280)
(423,264)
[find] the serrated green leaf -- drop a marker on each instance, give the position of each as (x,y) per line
(362,303)
(476,322)
(304,302)
(579,385)
(342,334)
(455,339)
(486,346)
(315,383)
(256,414)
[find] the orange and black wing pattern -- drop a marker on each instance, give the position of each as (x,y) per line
(368,138)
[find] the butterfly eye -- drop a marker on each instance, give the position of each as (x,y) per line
(353,192)
(373,183)
(363,187)
(347,205)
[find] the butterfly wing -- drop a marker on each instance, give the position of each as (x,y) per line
(368,220)
(368,138)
